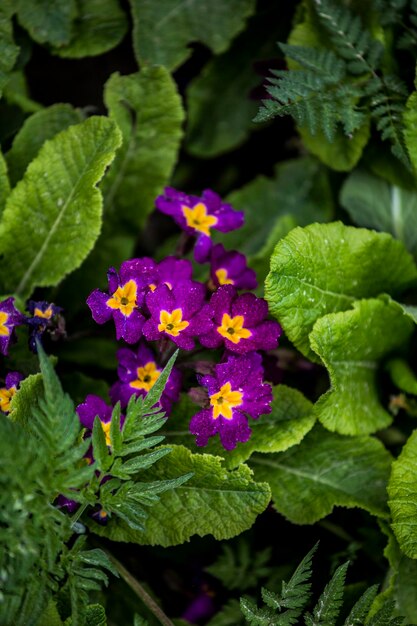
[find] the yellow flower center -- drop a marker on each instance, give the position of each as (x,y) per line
(45,314)
(124,298)
(6,396)
(4,331)
(232,328)
(146,376)
(221,274)
(106,429)
(224,401)
(172,323)
(197,218)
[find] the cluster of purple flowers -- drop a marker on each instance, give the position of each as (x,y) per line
(160,302)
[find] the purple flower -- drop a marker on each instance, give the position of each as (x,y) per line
(70,506)
(93,407)
(229,267)
(171,272)
(138,372)
(178,314)
(7,392)
(10,317)
(100,516)
(235,390)
(239,322)
(197,216)
(44,316)
(125,297)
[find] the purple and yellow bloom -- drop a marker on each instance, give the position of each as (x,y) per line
(171,271)
(92,407)
(70,506)
(228,267)
(235,390)
(179,314)
(138,371)
(12,382)
(239,322)
(126,296)
(197,216)
(44,316)
(10,317)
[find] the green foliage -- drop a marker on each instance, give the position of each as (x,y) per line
(230,615)
(37,129)
(286,608)
(8,49)
(163,30)
(240,568)
(45,25)
(99,26)
(402,375)
(147,108)
(350,344)
(402,493)
(213,501)
(375,203)
(4,183)
(335,81)
(59,198)
(323,471)
(28,395)
(324,268)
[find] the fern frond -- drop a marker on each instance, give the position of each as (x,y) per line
(351,40)
(328,607)
(239,568)
(361,608)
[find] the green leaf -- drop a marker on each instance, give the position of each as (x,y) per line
(329,604)
(326,470)
(148,110)
(214,501)
(4,183)
(402,375)
(162,31)
(350,344)
(219,124)
(229,615)
(35,131)
(27,396)
(402,492)
(55,206)
(16,92)
(8,49)
(375,203)
(99,26)
(324,268)
(46,23)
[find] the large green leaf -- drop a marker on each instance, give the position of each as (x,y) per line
(27,396)
(148,110)
(99,26)
(402,375)
(343,153)
(324,268)
(218,124)
(351,344)
(4,183)
(35,131)
(47,23)
(402,492)
(375,203)
(290,420)
(323,471)
(213,502)
(8,49)
(163,30)
(53,215)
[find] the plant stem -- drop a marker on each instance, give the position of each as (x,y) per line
(140,591)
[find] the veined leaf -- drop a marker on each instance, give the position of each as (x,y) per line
(148,111)
(27,396)
(402,492)
(324,268)
(54,213)
(214,501)
(99,26)
(4,183)
(326,470)
(8,49)
(47,24)
(162,31)
(375,203)
(350,344)
(35,131)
